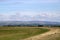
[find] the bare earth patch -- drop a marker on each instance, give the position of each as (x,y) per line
(54,32)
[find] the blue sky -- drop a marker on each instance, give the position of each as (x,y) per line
(30,10)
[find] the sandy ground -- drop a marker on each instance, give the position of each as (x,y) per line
(46,35)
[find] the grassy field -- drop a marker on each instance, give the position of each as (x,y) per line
(54,37)
(19,33)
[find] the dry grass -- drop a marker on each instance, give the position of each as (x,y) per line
(53,34)
(19,33)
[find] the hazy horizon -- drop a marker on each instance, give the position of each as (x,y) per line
(30,10)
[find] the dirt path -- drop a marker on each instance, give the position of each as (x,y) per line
(44,35)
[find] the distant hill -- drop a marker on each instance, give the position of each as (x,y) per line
(28,23)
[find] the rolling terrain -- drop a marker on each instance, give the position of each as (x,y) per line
(53,34)
(3,23)
(19,33)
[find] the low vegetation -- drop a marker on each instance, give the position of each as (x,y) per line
(19,33)
(53,37)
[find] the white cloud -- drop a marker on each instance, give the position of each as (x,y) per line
(30,16)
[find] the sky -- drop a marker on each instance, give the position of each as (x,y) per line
(30,10)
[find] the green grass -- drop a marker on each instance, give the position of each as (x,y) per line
(18,33)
